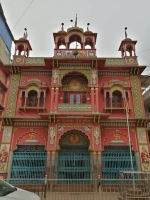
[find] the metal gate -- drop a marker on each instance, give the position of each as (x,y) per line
(74,163)
(29,162)
(115,159)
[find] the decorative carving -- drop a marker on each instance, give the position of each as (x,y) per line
(80,71)
(32,72)
(116,124)
(136,92)
(31,136)
(52,134)
(74,137)
(113,73)
(55,76)
(13,95)
(3,153)
(74,107)
(96,135)
(145,160)
(7,134)
(27,123)
(83,128)
(115,61)
(94,77)
(141,135)
(34,61)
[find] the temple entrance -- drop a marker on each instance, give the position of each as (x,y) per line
(74,165)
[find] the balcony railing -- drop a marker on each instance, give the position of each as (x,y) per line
(74,107)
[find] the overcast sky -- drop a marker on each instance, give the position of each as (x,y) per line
(108,18)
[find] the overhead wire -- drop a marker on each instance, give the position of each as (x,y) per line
(22,15)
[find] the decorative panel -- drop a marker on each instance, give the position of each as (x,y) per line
(34,61)
(4,153)
(7,131)
(145,159)
(74,107)
(13,95)
(115,61)
(136,93)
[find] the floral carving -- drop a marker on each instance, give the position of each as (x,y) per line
(52,134)
(96,135)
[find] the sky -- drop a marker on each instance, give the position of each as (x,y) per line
(108,18)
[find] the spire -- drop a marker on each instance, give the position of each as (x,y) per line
(88,26)
(125,33)
(75,24)
(62,28)
(25,35)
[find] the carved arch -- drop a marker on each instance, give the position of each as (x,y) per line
(64,74)
(23,138)
(125,135)
(74,137)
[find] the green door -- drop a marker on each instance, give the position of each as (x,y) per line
(74,164)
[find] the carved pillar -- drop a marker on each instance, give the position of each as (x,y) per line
(94,170)
(38,96)
(56,100)
(48,170)
(26,99)
(92,99)
(52,99)
(11,154)
(97,104)
(52,169)
(99,164)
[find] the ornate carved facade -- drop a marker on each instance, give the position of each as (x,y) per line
(72,107)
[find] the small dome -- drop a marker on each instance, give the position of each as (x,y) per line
(127,39)
(22,38)
(87,32)
(63,32)
(75,28)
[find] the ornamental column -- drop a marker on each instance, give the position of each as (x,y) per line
(97,104)
(99,163)
(56,100)
(52,99)
(11,154)
(94,170)
(92,99)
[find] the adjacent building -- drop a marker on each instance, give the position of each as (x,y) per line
(66,115)
(6,39)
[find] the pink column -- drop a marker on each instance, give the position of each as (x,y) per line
(56,100)
(97,104)
(52,99)
(92,99)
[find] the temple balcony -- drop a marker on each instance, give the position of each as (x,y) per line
(74,107)
(26,108)
(75,53)
(114,109)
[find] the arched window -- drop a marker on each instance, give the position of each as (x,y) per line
(42,99)
(116,99)
(107,100)
(32,98)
